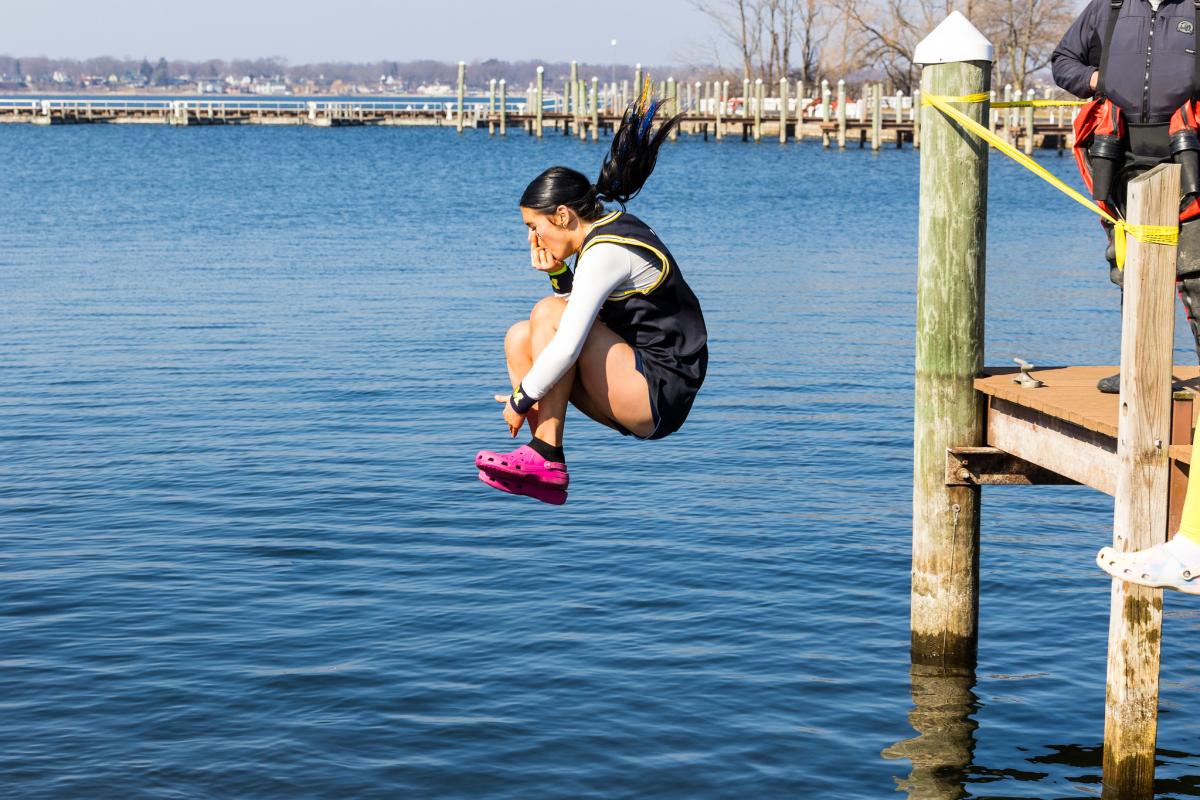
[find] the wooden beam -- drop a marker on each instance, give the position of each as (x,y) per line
(991,466)
(1058,445)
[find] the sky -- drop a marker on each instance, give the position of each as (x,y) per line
(305,31)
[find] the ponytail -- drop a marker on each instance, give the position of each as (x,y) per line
(624,172)
(634,150)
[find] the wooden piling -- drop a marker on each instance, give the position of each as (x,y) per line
(745,97)
(952,230)
(1029,131)
(916,119)
(595,107)
(1007,114)
(720,105)
(541,77)
(462,76)
(672,99)
(637,83)
(841,115)
(824,101)
(899,108)
(758,109)
(503,107)
(581,110)
(876,116)
(783,110)
(1140,509)
(491,107)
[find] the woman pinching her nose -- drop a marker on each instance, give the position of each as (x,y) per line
(622,338)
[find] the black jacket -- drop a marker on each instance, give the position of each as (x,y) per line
(1150,69)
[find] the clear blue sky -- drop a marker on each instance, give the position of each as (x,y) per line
(647,31)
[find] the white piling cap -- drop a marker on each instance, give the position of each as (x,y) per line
(541,69)
(956,39)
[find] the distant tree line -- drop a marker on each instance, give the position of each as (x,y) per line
(874,39)
(161,72)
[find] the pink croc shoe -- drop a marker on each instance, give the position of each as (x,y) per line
(538,491)
(524,464)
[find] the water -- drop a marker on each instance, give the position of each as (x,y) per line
(243,374)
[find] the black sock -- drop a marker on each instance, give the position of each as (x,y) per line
(547,451)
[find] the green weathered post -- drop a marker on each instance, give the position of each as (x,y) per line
(637,83)
(951,238)
(745,97)
(824,101)
(462,76)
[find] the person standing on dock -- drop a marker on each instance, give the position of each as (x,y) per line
(1139,61)
(622,338)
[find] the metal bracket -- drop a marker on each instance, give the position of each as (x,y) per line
(1024,378)
(991,466)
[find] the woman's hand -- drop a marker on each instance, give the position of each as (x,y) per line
(540,257)
(514,420)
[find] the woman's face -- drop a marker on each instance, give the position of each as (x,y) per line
(552,232)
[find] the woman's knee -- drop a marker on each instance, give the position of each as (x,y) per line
(518,337)
(547,312)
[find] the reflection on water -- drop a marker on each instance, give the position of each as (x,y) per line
(942,750)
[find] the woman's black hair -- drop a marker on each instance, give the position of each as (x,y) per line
(624,172)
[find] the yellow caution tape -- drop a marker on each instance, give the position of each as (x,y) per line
(1146,234)
(1038,103)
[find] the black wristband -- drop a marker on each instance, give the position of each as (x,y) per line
(562,280)
(521,402)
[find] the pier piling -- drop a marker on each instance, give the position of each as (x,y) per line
(758,109)
(783,110)
(462,77)
(1143,472)
(876,116)
(541,78)
(503,107)
(595,106)
(952,229)
(841,115)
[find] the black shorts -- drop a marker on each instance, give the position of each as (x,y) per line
(670,398)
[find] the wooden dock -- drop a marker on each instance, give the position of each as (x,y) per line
(843,122)
(1065,431)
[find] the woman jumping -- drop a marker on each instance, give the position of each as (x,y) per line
(622,338)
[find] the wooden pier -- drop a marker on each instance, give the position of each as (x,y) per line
(587,111)
(979,427)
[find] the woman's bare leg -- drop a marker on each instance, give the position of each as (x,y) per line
(604,382)
(518,353)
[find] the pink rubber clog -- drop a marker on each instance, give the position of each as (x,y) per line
(524,464)
(538,491)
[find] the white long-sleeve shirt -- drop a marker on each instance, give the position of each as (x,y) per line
(606,270)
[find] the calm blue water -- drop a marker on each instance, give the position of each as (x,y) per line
(243,551)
